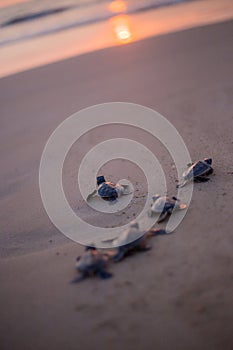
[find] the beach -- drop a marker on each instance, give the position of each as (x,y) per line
(177,295)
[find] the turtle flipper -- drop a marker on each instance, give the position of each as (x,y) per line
(156,232)
(201,179)
(163,216)
(119,256)
(127,190)
(123,189)
(181,185)
(91,195)
(104,274)
(78,279)
(176,199)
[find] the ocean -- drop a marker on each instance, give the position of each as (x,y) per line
(24,20)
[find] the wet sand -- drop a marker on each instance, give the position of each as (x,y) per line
(179,294)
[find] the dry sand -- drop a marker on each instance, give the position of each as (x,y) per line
(179,294)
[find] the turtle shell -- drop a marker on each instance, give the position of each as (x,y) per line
(199,168)
(107,190)
(89,261)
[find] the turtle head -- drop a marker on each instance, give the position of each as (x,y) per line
(155,197)
(208,161)
(100,180)
(88,247)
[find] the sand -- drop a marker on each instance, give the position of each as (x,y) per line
(179,294)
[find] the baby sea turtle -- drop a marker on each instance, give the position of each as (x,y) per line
(197,172)
(91,263)
(137,241)
(108,190)
(165,206)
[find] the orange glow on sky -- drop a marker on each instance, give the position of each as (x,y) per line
(117,6)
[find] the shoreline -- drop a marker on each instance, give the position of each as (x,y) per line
(56,47)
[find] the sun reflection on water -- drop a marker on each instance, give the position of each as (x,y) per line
(122,29)
(120,22)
